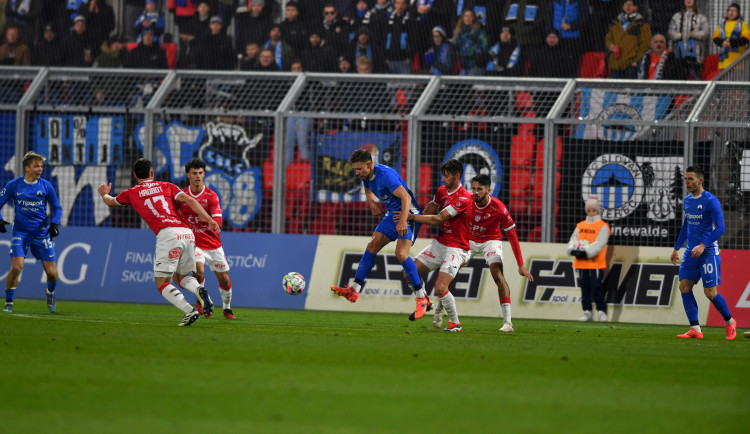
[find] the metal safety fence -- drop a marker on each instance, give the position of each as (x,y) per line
(277,145)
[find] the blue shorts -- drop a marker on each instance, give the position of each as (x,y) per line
(387,227)
(706,267)
(41,246)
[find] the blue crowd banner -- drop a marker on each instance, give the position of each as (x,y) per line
(109,264)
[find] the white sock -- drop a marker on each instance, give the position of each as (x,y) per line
(506,312)
(190,283)
(174,296)
(439,305)
(696,328)
(226,297)
(356,286)
(421,293)
(449,303)
(729,322)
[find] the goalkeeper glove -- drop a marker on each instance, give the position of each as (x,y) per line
(2,226)
(53,231)
(580,254)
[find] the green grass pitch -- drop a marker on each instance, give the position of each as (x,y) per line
(103,367)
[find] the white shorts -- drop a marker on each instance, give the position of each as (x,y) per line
(491,251)
(215,259)
(439,256)
(175,252)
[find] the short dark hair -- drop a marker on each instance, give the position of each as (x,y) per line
(452,166)
(698,170)
(142,168)
(482,179)
(360,156)
(195,164)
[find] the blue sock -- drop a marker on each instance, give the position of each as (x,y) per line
(51,287)
(721,306)
(364,267)
(410,268)
(691,307)
(9,294)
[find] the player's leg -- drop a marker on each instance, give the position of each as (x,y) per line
(710,267)
(44,250)
(225,290)
(689,274)
(584,282)
(377,242)
(597,291)
(166,262)
(503,293)
(175,297)
(185,267)
(453,260)
(50,268)
(11,281)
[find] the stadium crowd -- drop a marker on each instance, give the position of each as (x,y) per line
(664,39)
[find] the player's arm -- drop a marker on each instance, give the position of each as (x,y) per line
(198,209)
(432,219)
(54,204)
(516,247)
(374,205)
(402,194)
(5,196)
(431,208)
(674,257)
(104,190)
(215,209)
(717,217)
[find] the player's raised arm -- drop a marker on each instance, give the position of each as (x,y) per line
(104,190)
(198,209)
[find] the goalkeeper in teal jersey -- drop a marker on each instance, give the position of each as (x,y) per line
(702,227)
(30,195)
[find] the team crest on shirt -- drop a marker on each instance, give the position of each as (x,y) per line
(174,253)
(700,207)
(39,193)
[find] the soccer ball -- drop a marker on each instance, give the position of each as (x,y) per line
(293,283)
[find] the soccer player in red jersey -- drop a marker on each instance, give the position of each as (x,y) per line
(156,202)
(208,248)
(450,250)
(489,215)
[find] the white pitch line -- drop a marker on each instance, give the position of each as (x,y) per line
(78,319)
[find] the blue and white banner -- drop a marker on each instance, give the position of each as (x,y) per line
(117,265)
(334,178)
(598,104)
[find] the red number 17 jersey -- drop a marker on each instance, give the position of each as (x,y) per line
(155,202)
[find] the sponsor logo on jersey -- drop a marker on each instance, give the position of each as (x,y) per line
(174,253)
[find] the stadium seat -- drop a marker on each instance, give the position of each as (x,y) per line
(522,151)
(325,218)
(425,185)
(170,49)
(540,152)
(267,175)
(593,64)
(537,180)
(710,67)
(298,196)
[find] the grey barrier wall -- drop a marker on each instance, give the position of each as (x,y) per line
(277,145)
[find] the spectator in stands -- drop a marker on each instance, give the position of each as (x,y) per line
(335,30)
(552,59)
(441,58)
(317,55)
(429,14)
(54,12)
(506,57)
(569,17)
(627,41)
(49,51)
(732,36)
(192,31)
(399,46)
(344,65)
(150,18)
(148,54)
(528,18)
(23,15)
(283,53)
(488,12)
(215,52)
(363,47)
(100,20)
(249,61)
(364,65)
(602,14)
(376,21)
(183,11)
(266,61)
(659,63)
(114,52)
(361,8)
(293,29)
(252,25)
(471,44)
(13,51)
(81,50)
(689,33)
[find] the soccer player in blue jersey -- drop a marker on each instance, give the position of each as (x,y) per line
(31,194)
(385,184)
(702,227)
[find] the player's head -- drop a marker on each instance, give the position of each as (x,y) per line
(143,169)
(480,188)
(694,176)
(451,171)
(361,161)
(33,164)
(195,170)
(593,207)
